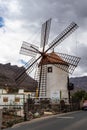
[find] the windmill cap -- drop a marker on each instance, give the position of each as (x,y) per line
(52,58)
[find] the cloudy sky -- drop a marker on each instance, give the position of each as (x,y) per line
(21,20)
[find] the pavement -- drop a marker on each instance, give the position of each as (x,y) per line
(41,118)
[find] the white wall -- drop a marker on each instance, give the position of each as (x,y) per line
(11,99)
(57,81)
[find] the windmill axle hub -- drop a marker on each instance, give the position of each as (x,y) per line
(43,54)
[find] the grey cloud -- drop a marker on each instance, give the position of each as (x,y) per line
(40,10)
(82,53)
(37,11)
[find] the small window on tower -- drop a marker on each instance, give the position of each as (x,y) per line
(49,69)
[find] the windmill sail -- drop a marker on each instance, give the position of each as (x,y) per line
(43,82)
(71,60)
(71,28)
(29,49)
(21,75)
(45,33)
(65,62)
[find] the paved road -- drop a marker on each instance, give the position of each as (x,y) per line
(71,121)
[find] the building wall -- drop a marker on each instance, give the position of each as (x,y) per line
(11,99)
(15,100)
(57,83)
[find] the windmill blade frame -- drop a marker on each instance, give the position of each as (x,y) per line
(27,52)
(70,64)
(21,79)
(70,29)
(39,85)
(25,74)
(43,81)
(18,77)
(29,49)
(73,60)
(45,33)
(24,67)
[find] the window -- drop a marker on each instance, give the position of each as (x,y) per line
(17,99)
(49,69)
(5,99)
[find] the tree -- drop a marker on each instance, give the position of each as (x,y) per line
(79,95)
(85,96)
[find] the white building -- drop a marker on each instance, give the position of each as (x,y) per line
(56,77)
(16,99)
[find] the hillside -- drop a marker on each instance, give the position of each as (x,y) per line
(8,73)
(79,82)
(7,77)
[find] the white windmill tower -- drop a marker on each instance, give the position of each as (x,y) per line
(53,67)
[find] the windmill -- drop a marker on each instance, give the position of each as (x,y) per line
(58,63)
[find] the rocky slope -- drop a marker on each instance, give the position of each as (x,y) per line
(79,82)
(8,74)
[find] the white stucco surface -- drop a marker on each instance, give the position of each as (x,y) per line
(57,81)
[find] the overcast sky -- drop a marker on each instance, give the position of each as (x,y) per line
(21,20)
